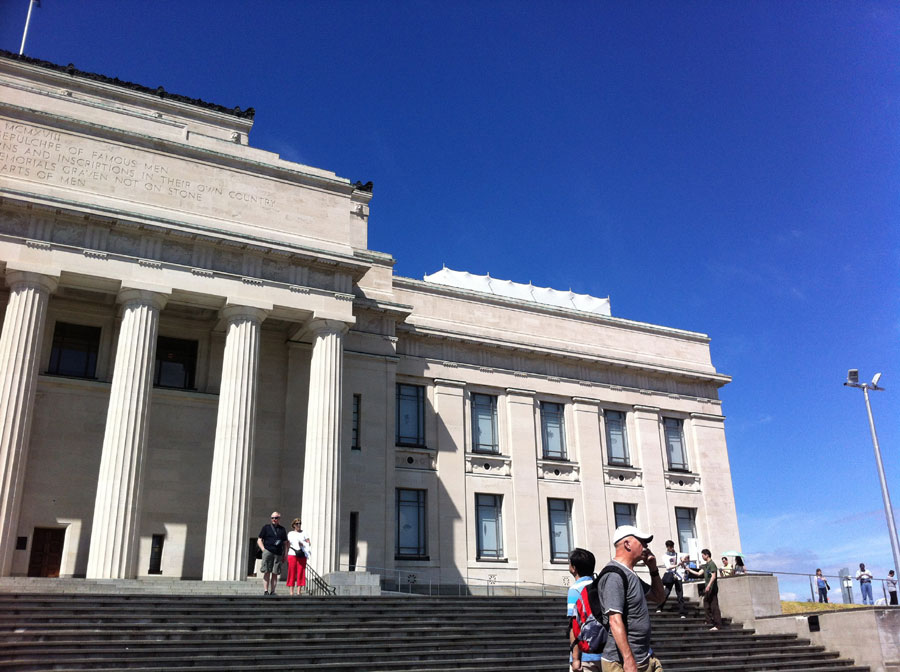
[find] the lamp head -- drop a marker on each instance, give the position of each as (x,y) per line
(876,379)
(853,376)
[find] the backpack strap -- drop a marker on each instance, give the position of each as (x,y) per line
(594,595)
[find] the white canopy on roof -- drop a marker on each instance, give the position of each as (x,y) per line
(516,290)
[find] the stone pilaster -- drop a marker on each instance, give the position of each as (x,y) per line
(531,546)
(229,491)
(113,548)
(449,403)
(322,465)
(655,517)
(20,347)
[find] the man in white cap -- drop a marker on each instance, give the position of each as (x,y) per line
(628,649)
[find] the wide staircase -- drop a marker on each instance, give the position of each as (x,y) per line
(197,633)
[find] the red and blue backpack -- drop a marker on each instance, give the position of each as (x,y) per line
(589,624)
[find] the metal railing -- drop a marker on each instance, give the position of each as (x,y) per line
(316,585)
(427,581)
(845,583)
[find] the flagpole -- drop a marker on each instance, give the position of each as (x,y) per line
(27,21)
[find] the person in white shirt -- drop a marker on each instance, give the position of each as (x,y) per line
(864,576)
(891,582)
(673,577)
(298,554)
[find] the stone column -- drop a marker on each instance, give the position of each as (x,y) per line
(113,549)
(588,429)
(20,347)
(229,491)
(653,466)
(322,465)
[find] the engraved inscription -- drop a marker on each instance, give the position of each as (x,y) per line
(48,156)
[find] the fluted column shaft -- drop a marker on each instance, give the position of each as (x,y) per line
(113,549)
(20,346)
(229,493)
(322,465)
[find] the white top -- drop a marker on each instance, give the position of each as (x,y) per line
(864,575)
(299,540)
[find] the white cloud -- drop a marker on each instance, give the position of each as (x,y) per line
(789,597)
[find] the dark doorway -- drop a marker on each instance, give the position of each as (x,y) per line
(354,538)
(156,550)
(46,551)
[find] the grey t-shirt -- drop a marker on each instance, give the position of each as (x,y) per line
(637,621)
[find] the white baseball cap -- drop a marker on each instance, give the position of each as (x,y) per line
(631,531)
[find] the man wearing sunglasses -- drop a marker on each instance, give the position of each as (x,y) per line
(272,541)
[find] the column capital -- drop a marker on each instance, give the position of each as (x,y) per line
(319,326)
(129,296)
(233,312)
(16,279)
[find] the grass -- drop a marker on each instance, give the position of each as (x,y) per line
(809,607)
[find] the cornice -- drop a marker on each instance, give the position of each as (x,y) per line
(530,306)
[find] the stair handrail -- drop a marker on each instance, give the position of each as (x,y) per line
(316,585)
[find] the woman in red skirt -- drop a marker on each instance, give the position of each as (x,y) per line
(297,555)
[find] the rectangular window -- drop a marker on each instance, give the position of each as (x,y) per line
(616,439)
(484,424)
(354,439)
(490,526)
(675,444)
(354,539)
(553,430)
(74,351)
(411,523)
(560,512)
(156,549)
(176,363)
(685,521)
(626,514)
(410,415)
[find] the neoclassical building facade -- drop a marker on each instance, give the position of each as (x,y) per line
(195,333)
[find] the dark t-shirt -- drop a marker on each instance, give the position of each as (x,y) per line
(708,570)
(273,538)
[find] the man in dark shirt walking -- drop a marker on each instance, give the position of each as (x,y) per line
(272,541)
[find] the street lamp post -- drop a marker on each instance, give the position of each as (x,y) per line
(853,381)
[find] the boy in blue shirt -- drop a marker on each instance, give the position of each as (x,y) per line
(581,567)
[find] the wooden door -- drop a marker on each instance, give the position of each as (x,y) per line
(46,551)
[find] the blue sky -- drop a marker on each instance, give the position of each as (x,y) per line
(726,167)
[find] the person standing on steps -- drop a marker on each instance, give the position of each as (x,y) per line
(272,540)
(864,576)
(673,578)
(298,553)
(628,647)
(710,573)
(581,567)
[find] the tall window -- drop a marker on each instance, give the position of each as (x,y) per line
(490,527)
(626,514)
(411,523)
(354,434)
(685,521)
(553,430)
(616,439)
(176,363)
(675,444)
(74,351)
(410,415)
(560,511)
(484,424)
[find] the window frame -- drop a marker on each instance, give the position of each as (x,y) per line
(419,440)
(561,415)
(684,466)
(355,422)
(421,507)
(485,448)
(632,513)
(610,459)
(693,520)
(557,555)
(58,347)
(481,553)
(189,362)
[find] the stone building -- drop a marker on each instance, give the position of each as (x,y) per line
(195,332)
